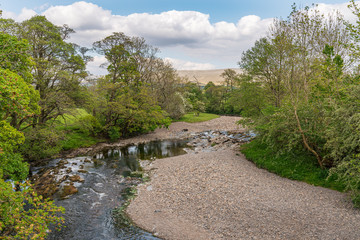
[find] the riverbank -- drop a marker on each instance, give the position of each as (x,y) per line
(176,130)
(221,195)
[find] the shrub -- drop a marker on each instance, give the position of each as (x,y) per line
(348,173)
(24,214)
(41,143)
(114,133)
(89,125)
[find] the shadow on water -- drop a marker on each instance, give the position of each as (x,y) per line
(90,212)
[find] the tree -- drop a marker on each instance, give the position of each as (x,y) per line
(294,64)
(230,77)
(266,62)
(165,86)
(58,68)
(126,104)
(15,57)
(18,100)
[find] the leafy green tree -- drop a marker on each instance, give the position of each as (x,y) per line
(215,98)
(164,84)
(194,97)
(58,67)
(125,102)
(11,162)
(15,57)
(294,64)
(230,78)
(18,100)
(32,222)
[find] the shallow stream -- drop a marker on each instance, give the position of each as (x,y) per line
(90,212)
(101,183)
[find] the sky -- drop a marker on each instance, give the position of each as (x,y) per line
(191,34)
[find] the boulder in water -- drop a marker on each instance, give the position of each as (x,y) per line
(68,190)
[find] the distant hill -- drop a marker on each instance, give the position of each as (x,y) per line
(205,76)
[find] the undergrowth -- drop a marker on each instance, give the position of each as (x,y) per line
(299,166)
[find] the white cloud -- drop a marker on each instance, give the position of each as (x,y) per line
(187,65)
(172,28)
(94,66)
(341,7)
(24,14)
(189,34)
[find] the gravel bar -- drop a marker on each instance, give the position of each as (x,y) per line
(221,195)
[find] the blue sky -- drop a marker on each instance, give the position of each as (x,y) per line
(219,10)
(199,34)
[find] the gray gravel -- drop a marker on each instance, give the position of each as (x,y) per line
(221,195)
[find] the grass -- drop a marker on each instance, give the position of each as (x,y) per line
(74,137)
(296,166)
(193,118)
(72,117)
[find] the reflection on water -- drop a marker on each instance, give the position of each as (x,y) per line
(89,213)
(125,159)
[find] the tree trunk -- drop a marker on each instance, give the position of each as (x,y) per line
(306,144)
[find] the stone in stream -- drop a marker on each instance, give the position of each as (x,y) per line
(68,190)
(46,184)
(76,178)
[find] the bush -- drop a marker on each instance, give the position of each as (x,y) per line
(11,162)
(348,173)
(25,221)
(114,133)
(89,125)
(41,143)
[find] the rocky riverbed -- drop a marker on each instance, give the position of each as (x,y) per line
(92,186)
(215,193)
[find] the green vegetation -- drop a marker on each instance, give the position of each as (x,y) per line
(300,92)
(48,104)
(299,166)
(201,117)
(18,100)
(80,129)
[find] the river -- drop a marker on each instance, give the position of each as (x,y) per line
(90,212)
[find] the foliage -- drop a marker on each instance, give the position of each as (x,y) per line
(16,96)
(24,214)
(165,87)
(309,98)
(296,165)
(14,55)
(41,143)
(11,162)
(194,96)
(58,66)
(215,99)
(348,173)
(89,125)
(125,104)
(79,128)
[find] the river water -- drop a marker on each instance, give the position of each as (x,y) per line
(90,212)
(103,180)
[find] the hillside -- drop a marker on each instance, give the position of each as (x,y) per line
(205,76)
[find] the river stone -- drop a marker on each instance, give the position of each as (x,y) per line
(68,190)
(45,184)
(76,178)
